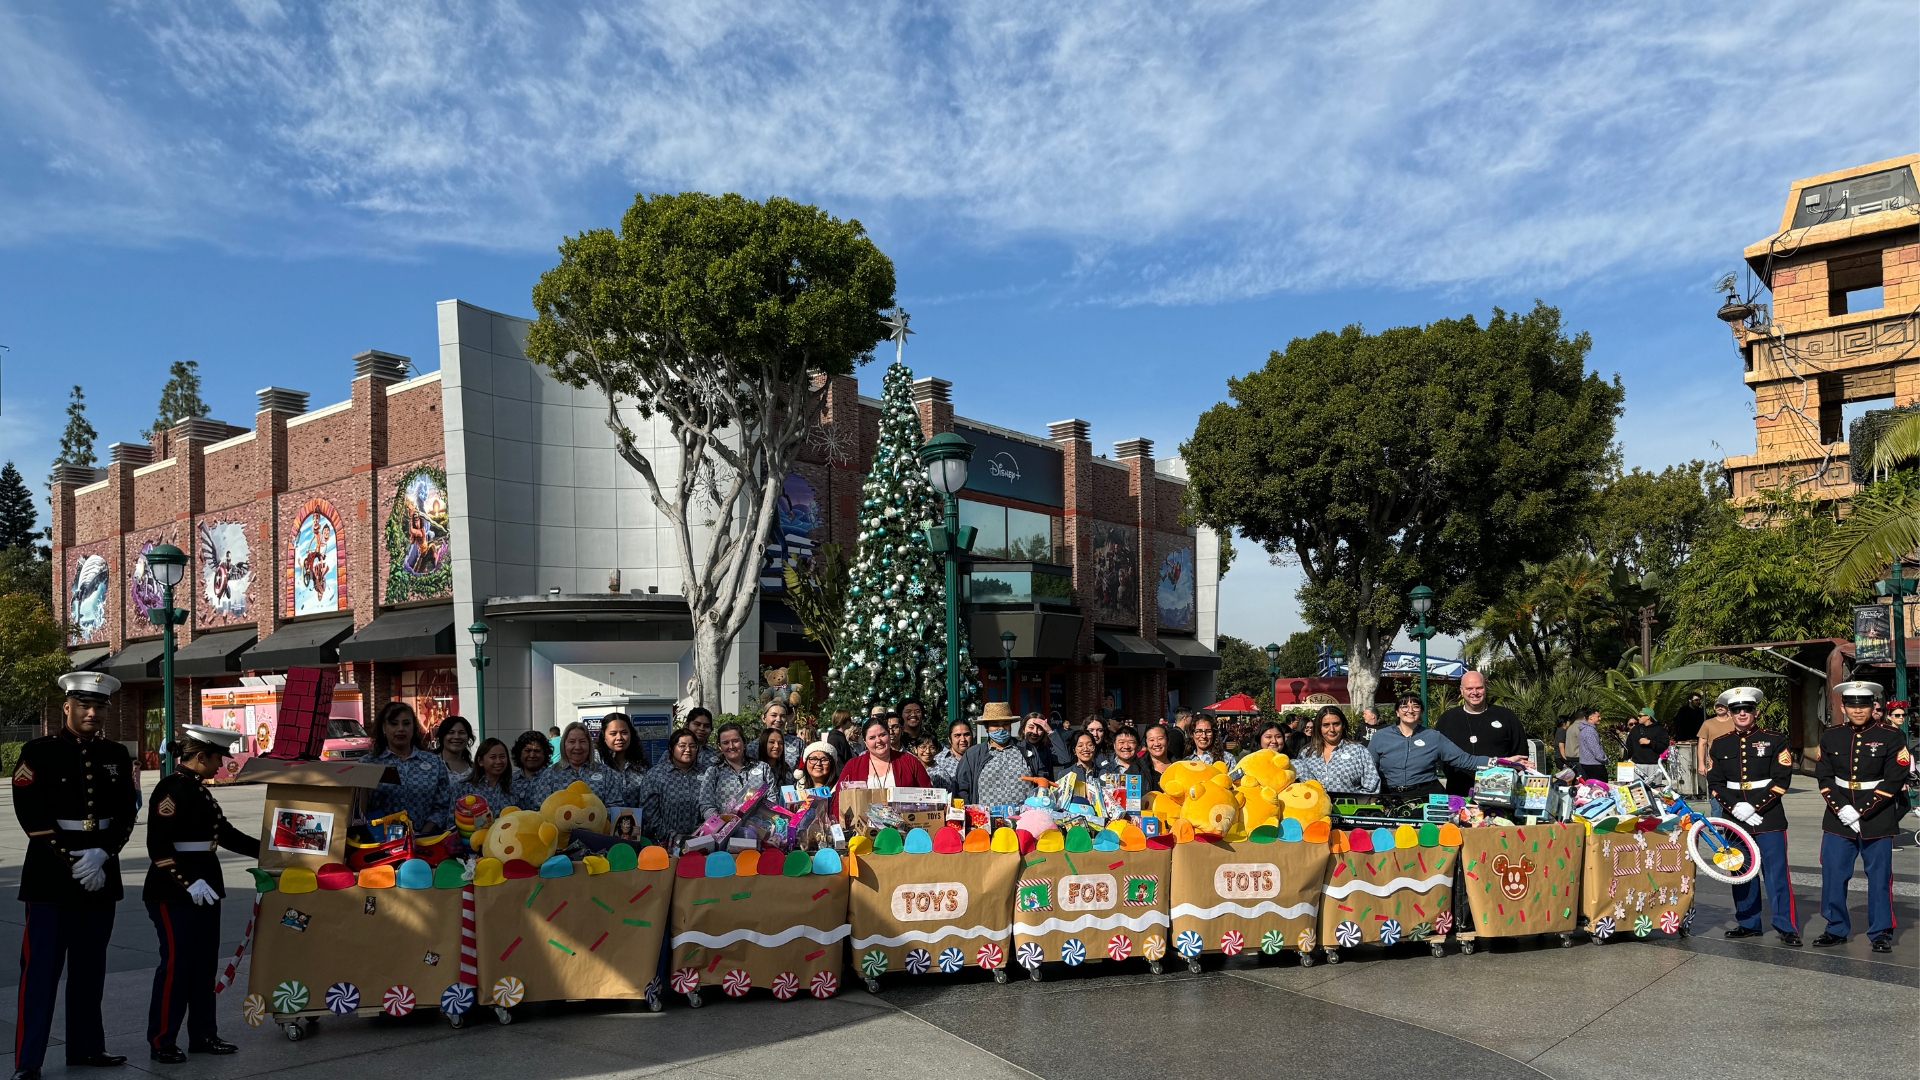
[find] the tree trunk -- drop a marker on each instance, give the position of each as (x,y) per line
(709,665)
(1364,657)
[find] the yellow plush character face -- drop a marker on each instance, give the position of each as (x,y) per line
(1210,808)
(1306,802)
(1266,768)
(1180,776)
(519,834)
(576,807)
(1262,808)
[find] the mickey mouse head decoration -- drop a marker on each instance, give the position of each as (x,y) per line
(1513,875)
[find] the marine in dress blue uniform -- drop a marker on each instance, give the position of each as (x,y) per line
(1863,766)
(73,793)
(1752,769)
(183,892)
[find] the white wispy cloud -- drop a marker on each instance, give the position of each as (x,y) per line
(1177,154)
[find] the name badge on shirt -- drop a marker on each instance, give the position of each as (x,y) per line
(1471,739)
(1419,742)
(1496,723)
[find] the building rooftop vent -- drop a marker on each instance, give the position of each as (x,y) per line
(281,399)
(932,389)
(390,367)
(204,429)
(1133,448)
(130,453)
(78,475)
(1068,430)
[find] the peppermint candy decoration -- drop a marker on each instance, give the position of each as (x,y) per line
(1307,941)
(825,984)
(874,963)
(1119,947)
(736,983)
(1028,955)
(1231,943)
(989,955)
(1154,947)
(398,1001)
(685,980)
(1074,952)
(1686,921)
(289,997)
(1347,934)
(1443,923)
(1419,932)
(951,959)
(1670,922)
(1390,932)
(918,961)
(1187,943)
(254,1009)
(342,998)
(652,992)
(1602,928)
(785,985)
(1272,942)
(508,990)
(1643,926)
(458,998)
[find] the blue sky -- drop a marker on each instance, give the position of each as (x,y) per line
(1099,210)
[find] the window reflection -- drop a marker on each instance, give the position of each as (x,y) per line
(1004,533)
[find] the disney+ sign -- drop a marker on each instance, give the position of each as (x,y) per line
(1017,470)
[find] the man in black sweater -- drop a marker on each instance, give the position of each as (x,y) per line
(1479,729)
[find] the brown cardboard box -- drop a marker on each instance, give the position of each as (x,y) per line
(309,806)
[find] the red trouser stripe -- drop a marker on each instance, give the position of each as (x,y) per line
(166,961)
(1793,916)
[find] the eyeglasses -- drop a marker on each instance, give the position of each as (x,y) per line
(1743,708)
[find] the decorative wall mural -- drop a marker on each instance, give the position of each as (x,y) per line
(798,515)
(419,539)
(313,571)
(1116,573)
(226,567)
(143,591)
(87,599)
(1176,589)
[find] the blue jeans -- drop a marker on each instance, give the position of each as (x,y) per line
(1837,854)
(1776,880)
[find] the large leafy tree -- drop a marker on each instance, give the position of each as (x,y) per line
(1885,521)
(180,397)
(31,657)
(1444,455)
(76,442)
(724,317)
(1647,522)
(1760,579)
(17,514)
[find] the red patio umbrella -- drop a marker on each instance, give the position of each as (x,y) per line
(1239,704)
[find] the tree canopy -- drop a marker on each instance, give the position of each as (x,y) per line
(1444,455)
(31,657)
(1647,522)
(1761,580)
(180,397)
(76,442)
(720,315)
(18,517)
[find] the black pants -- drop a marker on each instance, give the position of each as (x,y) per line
(74,937)
(183,983)
(1593,772)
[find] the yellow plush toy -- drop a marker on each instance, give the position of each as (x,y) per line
(576,807)
(517,834)
(1306,802)
(1265,768)
(1262,808)
(1210,807)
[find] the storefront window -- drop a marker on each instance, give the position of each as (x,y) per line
(991,521)
(1006,533)
(987,585)
(433,692)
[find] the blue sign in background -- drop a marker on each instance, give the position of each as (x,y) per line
(1016,470)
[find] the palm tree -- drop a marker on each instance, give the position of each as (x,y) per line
(1883,526)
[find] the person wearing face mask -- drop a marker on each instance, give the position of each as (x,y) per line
(183,891)
(1752,769)
(1863,765)
(995,772)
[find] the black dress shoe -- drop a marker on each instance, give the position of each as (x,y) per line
(102,1060)
(1788,937)
(168,1055)
(1741,931)
(1883,943)
(1825,940)
(212,1046)
(26,1074)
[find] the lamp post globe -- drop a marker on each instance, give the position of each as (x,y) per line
(1420,598)
(479,632)
(946,456)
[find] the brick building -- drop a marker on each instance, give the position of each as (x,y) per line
(371,532)
(1844,273)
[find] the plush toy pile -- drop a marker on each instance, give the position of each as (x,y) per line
(1209,802)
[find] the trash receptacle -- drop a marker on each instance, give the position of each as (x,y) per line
(1684,770)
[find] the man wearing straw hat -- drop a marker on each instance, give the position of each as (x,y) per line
(993,772)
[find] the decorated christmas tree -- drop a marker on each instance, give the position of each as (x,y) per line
(893,642)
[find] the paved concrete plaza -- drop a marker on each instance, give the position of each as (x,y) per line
(1699,1007)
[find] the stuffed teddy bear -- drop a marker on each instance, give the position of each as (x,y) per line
(517,834)
(1306,802)
(576,807)
(1210,807)
(1265,768)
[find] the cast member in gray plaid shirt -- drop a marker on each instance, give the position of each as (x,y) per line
(728,782)
(670,798)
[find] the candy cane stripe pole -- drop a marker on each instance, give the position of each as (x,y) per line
(225,978)
(469,948)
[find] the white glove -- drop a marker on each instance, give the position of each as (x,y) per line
(91,861)
(1849,816)
(95,881)
(1745,813)
(203,893)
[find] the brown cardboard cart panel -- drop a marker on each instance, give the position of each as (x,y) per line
(908,904)
(1631,876)
(1410,889)
(336,788)
(1086,906)
(1248,896)
(1522,879)
(588,936)
(742,933)
(374,939)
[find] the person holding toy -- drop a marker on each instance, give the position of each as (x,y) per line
(726,784)
(1408,755)
(491,780)
(425,790)
(1752,769)
(1863,766)
(183,891)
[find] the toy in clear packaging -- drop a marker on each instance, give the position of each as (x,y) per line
(1493,786)
(470,814)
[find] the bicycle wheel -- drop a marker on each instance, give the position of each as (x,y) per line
(1741,857)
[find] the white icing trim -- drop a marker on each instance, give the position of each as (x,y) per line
(1420,885)
(1094,922)
(1264,907)
(767,941)
(928,937)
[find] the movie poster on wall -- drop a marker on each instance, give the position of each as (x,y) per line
(419,537)
(1116,573)
(314,570)
(797,515)
(87,599)
(143,589)
(1175,595)
(226,567)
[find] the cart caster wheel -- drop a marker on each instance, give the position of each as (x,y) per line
(1566,941)
(693,999)
(503,1014)
(455,1020)
(1685,933)
(1193,966)
(1439,950)
(1154,966)
(1306,958)
(1467,948)
(654,1004)
(873,986)
(295,1031)
(1000,975)
(1333,957)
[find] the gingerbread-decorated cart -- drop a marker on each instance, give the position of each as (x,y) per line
(1637,880)
(1092,898)
(769,919)
(1259,893)
(926,902)
(1521,881)
(1389,886)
